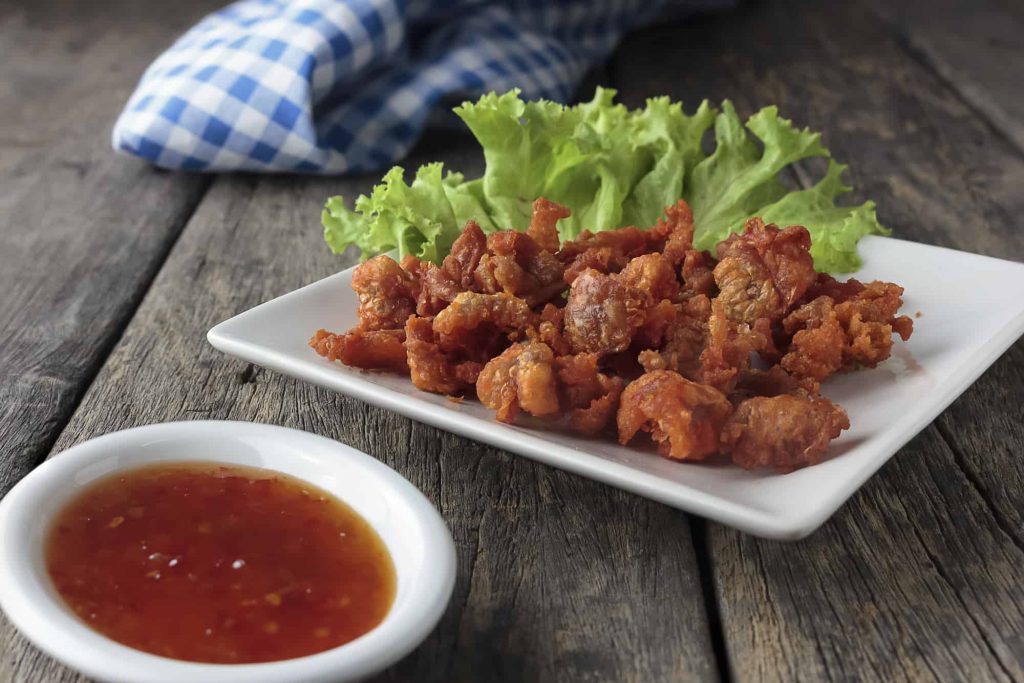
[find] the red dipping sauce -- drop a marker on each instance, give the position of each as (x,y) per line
(224,564)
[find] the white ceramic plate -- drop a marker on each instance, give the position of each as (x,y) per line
(972,309)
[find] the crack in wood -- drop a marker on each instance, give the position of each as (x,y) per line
(960,458)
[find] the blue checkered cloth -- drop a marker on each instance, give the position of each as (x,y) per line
(346,86)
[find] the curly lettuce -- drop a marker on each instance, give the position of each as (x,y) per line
(613,167)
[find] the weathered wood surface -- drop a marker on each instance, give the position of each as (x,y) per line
(82,232)
(974,47)
(559,577)
(919,577)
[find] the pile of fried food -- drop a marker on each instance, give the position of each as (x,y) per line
(631,330)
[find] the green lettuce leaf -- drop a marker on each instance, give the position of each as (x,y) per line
(612,167)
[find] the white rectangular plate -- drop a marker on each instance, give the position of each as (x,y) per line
(972,309)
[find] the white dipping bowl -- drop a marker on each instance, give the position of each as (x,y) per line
(419,542)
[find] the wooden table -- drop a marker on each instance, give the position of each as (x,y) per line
(111,273)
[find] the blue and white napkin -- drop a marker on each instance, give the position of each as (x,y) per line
(345,86)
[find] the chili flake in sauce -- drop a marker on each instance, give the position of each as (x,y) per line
(212,563)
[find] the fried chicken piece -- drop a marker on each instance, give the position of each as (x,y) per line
(728,347)
(608,251)
(516,264)
(590,396)
(698,273)
(367,349)
(431,368)
(869,317)
(847,324)
(818,340)
(677,230)
(684,418)
(470,310)
(550,325)
(653,274)
(683,339)
(602,313)
(521,378)
(543,223)
(441,284)
(771,382)
(387,293)
(784,432)
(763,272)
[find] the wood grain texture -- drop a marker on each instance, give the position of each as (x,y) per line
(559,578)
(974,46)
(82,232)
(919,577)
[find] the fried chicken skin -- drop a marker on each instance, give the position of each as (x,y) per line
(784,432)
(849,324)
(589,396)
(367,349)
(543,223)
(632,330)
(729,345)
(441,284)
(469,311)
(818,340)
(606,252)
(516,264)
(653,274)
(387,293)
(521,378)
(521,264)
(430,367)
(684,418)
(602,313)
(681,343)
(698,273)
(764,271)
(677,231)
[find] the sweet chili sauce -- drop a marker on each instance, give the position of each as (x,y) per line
(213,563)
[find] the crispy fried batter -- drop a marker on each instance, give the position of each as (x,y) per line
(763,272)
(677,230)
(387,293)
(653,274)
(367,349)
(816,349)
(683,417)
(602,313)
(784,432)
(521,378)
(728,347)
(608,251)
(518,265)
(698,273)
(550,325)
(771,382)
(683,339)
(441,284)
(632,324)
(470,310)
(846,325)
(431,368)
(590,396)
(543,223)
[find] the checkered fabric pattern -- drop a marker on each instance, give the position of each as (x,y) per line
(346,86)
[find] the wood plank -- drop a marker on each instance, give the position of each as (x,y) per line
(82,231)
(919,577)
(974,46)
(559,578)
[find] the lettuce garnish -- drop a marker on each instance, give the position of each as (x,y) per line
(613,167)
